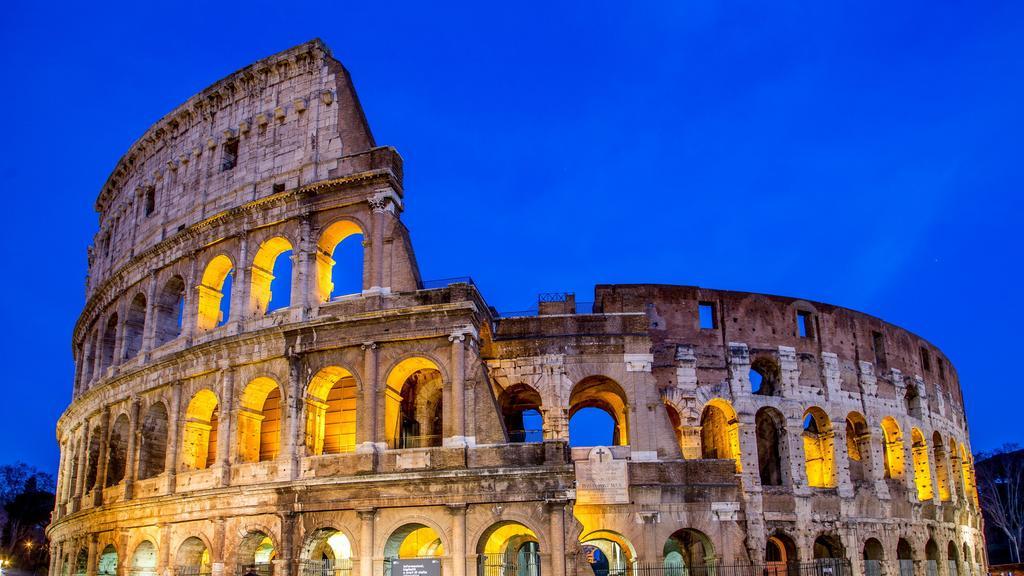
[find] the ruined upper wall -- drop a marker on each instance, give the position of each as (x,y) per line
(280,123)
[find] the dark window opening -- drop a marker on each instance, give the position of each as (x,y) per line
(708,319)
(926,363)
(278,188)
(804,326)
(942,368)
(878,343)
(150,201)
(230,158)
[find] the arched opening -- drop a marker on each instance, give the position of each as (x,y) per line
(153,442)
(520,410)
(413,408)
(134,326)
(259,421)
(967,470)
(819,449)
(215,293)
(893,448)
(81,562)
(256,551)
(340,242)
(968,558)
(199,437)
(677,427)
(331,412)
(941,467)
(108,343)
(688,551)
(591,397)
(92,470)
(89,360)
(144,559)
(769,425)
(106,565)
(764,377)
(413,541)
(271,287)
(922,471)
(874,555)
(117,450)
(952,559)
(169,310)
(720,432)
(828,554)
(931,550)
(858,446)
(192,559)
(607,553)
(779,552)
(508,549)
(905,556)
(912,401)
(327,552)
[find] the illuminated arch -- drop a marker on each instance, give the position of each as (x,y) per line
(331,412)
(819,449)
(892,440)
(606,395)
(770,429)
(720,432)
(199,437)
(608,552)
(508,549)
(330,238)
(329,548)
(967,470)
(259,421)
(209,314)
(779,553)
(153,442)
(192,558)
(255,552)
(134,326)
(413,407)
(144,559)
(922,470)
(414,540)
(265,267)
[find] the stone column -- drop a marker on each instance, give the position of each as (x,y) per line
(877,462)
(293,409)
(748,452)
(83,459)
(217,556)
(379,205)
(841,460)
(556,511)
(190,305)
(304,256)
(366,522)
(367,426)
(173,443)
(163,563)
(457,411)
(58,507)
(458,512)
(283,563)
(226,443)
(133,442)
(101,464)
(90,564)
(87,372)
(795,449)
(149,336)
(739,369)
(240,282)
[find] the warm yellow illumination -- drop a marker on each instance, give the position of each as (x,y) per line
(720,432)
(819,449)
(422,542)
(329,240)
(199,439)
(892,440)
(411,405)
(605,394)
(263,272)
(507,538)
(259,421)
(208,315)
(941,467)
(331,412)
(922,471)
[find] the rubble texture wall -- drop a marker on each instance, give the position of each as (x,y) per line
(210,433)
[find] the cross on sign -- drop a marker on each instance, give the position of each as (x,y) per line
(602,454)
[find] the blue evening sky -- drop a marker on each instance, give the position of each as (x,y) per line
(865,154)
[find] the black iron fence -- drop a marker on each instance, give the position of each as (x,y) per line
(582,566)
(526,564)
(325,567)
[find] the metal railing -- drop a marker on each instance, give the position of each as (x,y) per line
(906,567)
(931,568)
(422,441)
(326,567)
(822,567)
(527,564)
(872,568)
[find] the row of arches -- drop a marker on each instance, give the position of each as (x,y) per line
(271,277)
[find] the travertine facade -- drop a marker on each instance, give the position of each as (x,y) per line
(215,429)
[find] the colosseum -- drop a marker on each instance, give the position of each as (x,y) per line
(265,385)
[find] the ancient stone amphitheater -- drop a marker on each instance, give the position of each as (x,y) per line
(265,385)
